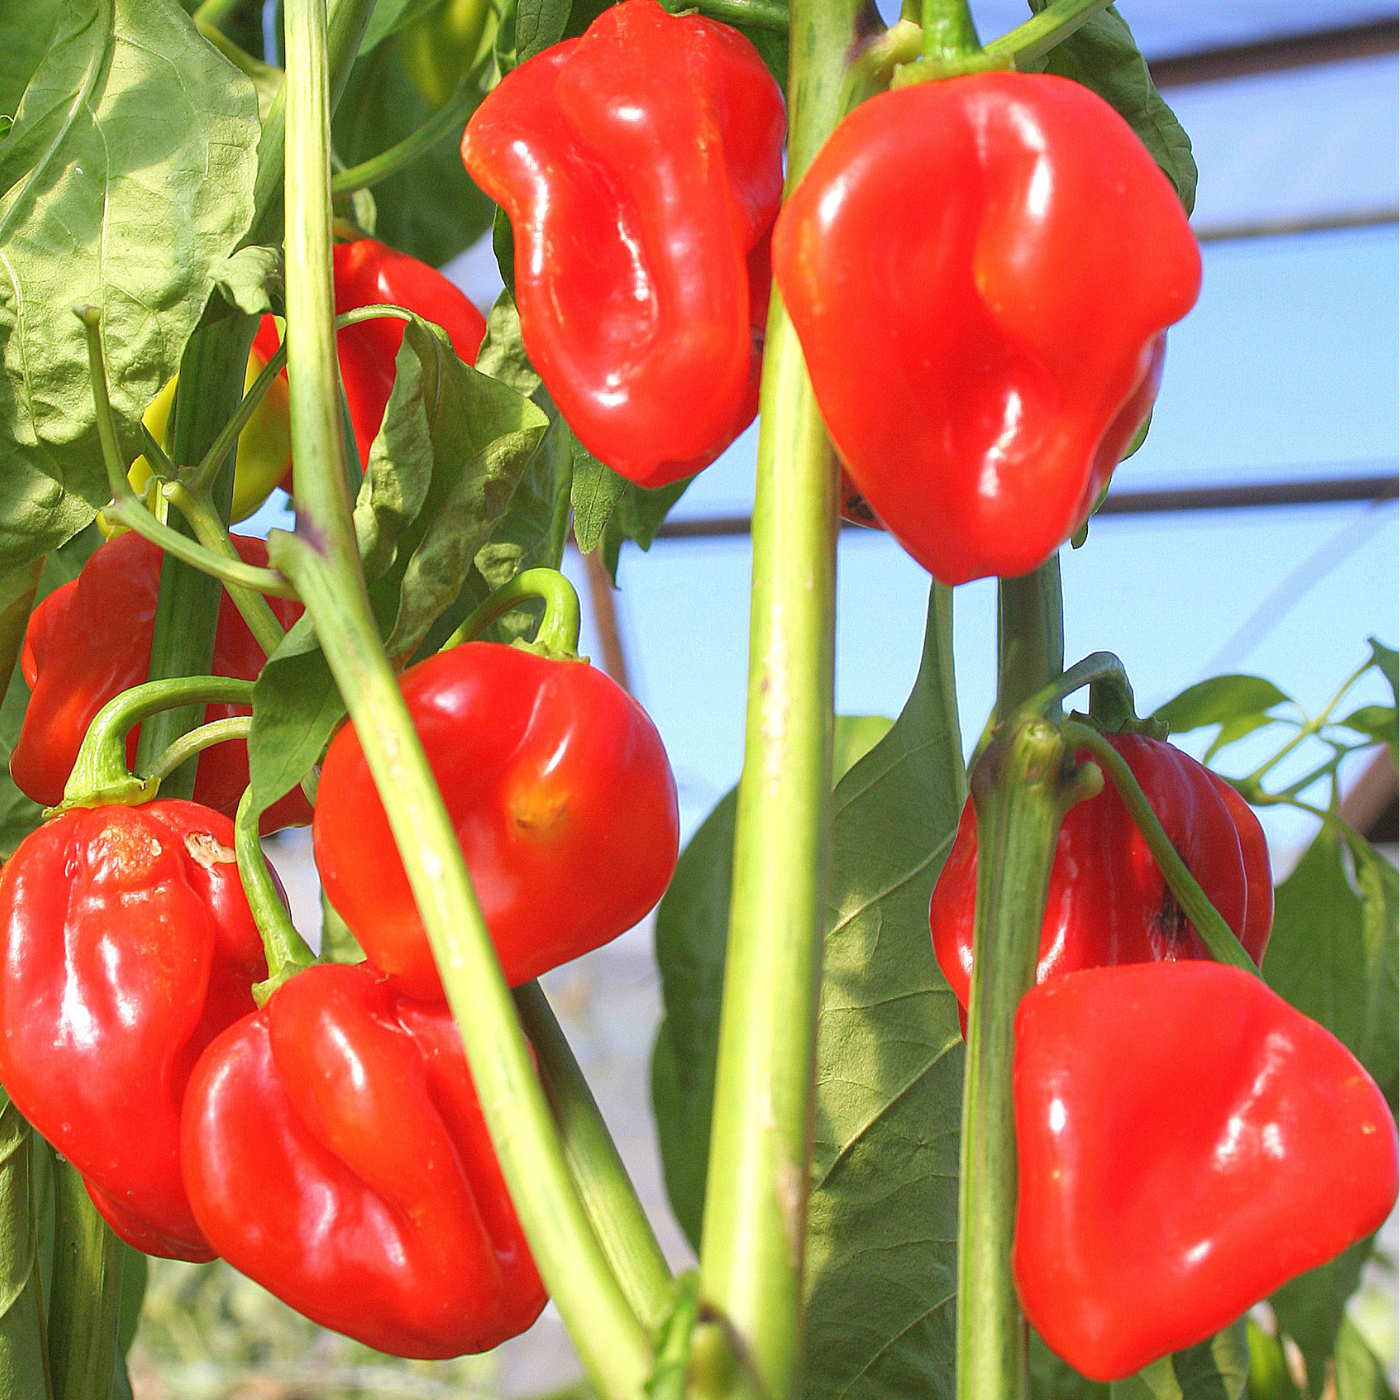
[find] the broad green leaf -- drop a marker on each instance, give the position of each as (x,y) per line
(442,472)
(1054,1379)
(128,181)
(596,492)
(1103,56)
(22,1365)
(18,815)
(1311,1307)
(251,280)
(882,1221)
(1269,1378)
(430,209)
(1217,1369)
(1387,661)
(295,707)
(692,926)
(27,33)
(502,354)
(338,944)
(538,24)
(638,516)
(18,590)
(1332,953)
(1220,700)
(1377,722)
(265,77)
(1233,730)
(1360,1374)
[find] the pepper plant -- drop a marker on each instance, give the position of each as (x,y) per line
(1002,1081)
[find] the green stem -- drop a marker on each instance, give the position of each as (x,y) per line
(212,534)
(756,14)
(205,736)
(1022,787)
(949,32)
(286,950)
(100,773)
(448,121)
(203,477)
(1030,637)
(1030,41)
(1215,933)
(215,12)
(557,634)
(24,1365)
(755,1225)
(322,559)
(1099,668)
(87,1285)
(606,1190)
(1310,725)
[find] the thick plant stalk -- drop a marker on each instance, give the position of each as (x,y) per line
(755,1225)
(24,1366)
(323,562)
(87,1287)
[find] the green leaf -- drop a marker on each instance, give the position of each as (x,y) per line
(251,281)
(1377,722)
(1054,1379)
(1387,661)
(1311,1307)
(22,1365)
(1360,1374)
(502,354)
(692,926)
(18,815)
(1216,1369)
(430,209)
(882,1223)
(1332,953)
(128,180)
(1233,730)
(442,472)
(538,24)
(338,944)
(1103,56)
(27,33)
(1220,700)
(390,16)
(638,516)
(1269,1378)
(596,492)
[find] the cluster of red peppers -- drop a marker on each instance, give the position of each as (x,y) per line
(1186,1141)
(1171,1113)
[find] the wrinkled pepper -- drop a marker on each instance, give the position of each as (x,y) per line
(368,273)
(563,800)
(90,639)
(641,167)
(1186,1143)
(126,946)
(335,1152)
(981,272)
(1109,902)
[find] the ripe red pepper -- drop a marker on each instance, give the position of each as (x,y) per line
(1109,902)
(368,273)
(981,272)
(90,639)
(562,797)
(126,946)
(641,166)
(335,1152)
(1186,1143)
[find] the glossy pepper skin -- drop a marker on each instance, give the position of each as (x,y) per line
(1109,902)
(641,167)
(561,794)
(1186,1143)
(981,272)
(335,1152)
(90,639)
(369,273)
(126,946)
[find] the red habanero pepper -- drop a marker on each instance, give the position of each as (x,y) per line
(368,273)
(981,272)
(335,1152)
(91,639)
(1109,902)
(1186,1143)
(126,946)
(561,794)
(641,167)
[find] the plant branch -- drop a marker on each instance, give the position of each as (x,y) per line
(285,949)
(187,746)
(1031,41)
(557,634)
(322,559)
(606,1190)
